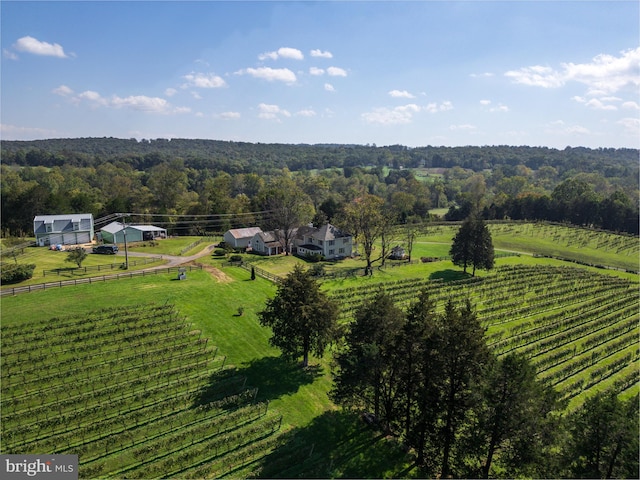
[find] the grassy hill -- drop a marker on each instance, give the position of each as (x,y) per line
(316,439)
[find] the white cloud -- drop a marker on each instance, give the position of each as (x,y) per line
(283,52)
(9,54)
(401,94)
(229,115)
(391,116)
(170,92)
(270,74)
(537,76)
(336,72)
(443,107)
(485,102)
(63,91)
(482,75)
(271,112)
(321,54)
(631,106)
(499,108)
(141,103)
(329,88)
(605,74)
(36,47)
(307,112)
(92,97)
(595,103)
(316,71)
(203,80)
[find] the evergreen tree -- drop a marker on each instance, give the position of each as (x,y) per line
(303,319)
(515,409)
(464,355)
(367,373)
(472,245)
(603,441)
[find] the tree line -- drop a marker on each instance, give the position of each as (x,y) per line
(185,178)
(428,378)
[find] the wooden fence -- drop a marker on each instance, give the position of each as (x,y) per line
(99,268)
(97,279)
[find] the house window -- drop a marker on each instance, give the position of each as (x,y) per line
(345,240)
(341,250)
(331,252)
(48,227)
(76,226)
(320,242)
(332,242)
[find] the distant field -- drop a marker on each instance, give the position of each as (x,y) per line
(573,243)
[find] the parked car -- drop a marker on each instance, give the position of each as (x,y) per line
(106,249)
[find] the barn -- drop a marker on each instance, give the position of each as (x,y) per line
(115,233)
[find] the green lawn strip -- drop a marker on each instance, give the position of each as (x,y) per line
(45,259)
(169,246)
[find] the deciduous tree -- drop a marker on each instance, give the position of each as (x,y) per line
(76,255)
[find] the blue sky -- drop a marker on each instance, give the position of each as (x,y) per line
(540,73)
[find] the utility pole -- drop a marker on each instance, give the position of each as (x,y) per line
(126,251)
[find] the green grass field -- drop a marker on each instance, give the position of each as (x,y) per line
(318,439)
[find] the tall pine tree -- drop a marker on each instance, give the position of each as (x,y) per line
(303,319)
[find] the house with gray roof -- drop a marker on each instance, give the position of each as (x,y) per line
(240,237)
(65,229)
(267,243)
(328,241)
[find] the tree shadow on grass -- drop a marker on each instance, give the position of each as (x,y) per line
(272,376)
(275,376)
(222,383)
(449,275)
(338,444)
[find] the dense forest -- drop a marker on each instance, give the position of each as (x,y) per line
(226,183)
